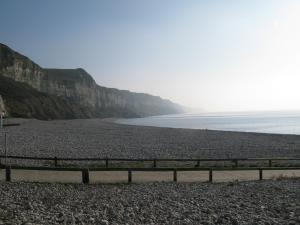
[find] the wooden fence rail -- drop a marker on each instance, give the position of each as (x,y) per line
(155,161)
(130,171)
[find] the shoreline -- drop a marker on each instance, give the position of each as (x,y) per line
(256,122)
(201,129)
(114,120)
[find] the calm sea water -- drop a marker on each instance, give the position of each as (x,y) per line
(262,122)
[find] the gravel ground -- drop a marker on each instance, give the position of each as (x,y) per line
(99,138)
(264,202)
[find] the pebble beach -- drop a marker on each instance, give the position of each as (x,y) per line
(254,202)
(261,203)
(105,138)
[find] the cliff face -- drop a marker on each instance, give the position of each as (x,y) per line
(78,88)
(19,67)
(21,100)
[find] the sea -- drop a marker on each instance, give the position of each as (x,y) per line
(279,122)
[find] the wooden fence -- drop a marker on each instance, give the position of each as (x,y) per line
(155,167)
(235,161)
(130,171)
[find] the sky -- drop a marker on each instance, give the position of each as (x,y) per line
(218,55)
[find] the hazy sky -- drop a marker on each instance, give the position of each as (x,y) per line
(226,55)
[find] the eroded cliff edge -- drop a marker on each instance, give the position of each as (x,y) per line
(72,90)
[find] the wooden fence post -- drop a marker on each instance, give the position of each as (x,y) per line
(106,162)
(236,164)
(8,173)
(175,175)
(210,175)
(129,176)
(260,174)
(270,163)
(55,161)
(85,176)
(154,163)
(5,147)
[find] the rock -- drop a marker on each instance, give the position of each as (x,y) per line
(104,222)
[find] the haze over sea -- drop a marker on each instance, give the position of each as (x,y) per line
(284,122)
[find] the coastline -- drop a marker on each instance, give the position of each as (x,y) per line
(115,120)
(271,122)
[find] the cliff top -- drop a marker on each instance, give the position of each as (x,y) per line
(78,74)
(8,56)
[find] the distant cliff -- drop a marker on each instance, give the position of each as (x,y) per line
(75,91)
